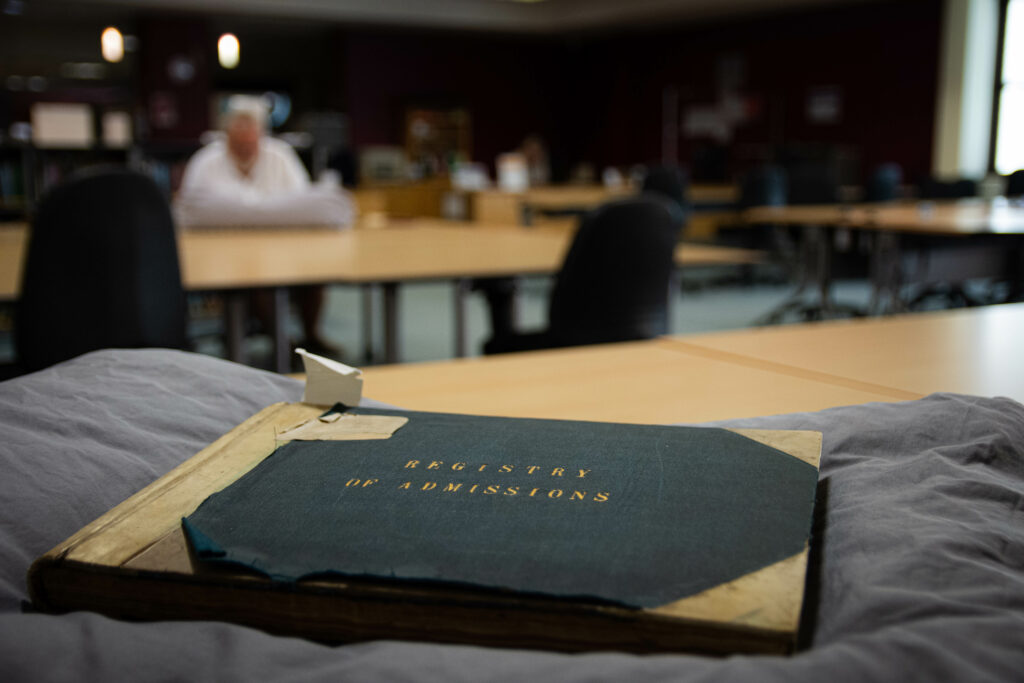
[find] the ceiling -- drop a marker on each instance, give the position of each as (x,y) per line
(529,16)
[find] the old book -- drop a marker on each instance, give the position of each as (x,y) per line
(494,531)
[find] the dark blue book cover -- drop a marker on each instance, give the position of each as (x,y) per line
(632,515)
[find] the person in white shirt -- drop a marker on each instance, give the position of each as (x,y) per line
(246,165)
(250,179)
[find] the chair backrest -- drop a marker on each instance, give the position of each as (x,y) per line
(101,270)
(763,186)
(885,183)
(672,183)
(932,188)
(613,285)
(813,182)
(1015,184)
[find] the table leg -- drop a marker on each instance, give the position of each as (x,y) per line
(462,286)
(826,308)
(234,324)
(675,279)
(517,288)
(826,243)
(367,291)
(282,346)
(807,258)
(817,245)
(875,274)
(390,290)
(1016,291)
(885,274)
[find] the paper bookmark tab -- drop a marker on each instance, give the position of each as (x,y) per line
(329,382)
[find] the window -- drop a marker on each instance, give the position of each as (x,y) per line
(1010,128)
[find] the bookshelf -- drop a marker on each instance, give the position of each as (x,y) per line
(16,181)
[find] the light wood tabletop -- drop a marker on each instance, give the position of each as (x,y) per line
(572,196)
(816,214)
(969,217)
(496,205)
(947,218)
(13,238)
(421,249)
(655,381)
(743,373)
(414,250)
(589,196)
(972,351)
(515,207)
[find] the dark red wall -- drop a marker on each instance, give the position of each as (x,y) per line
(882,57)
(505,82)
(174,111)
(598,98)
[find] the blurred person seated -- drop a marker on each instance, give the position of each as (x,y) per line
(535,153)
(500,292)
(249,179)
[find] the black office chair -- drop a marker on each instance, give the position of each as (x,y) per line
(764,185)
(932,188)
(940,267)
(101,271)
(672,183)
(613,284)
(1015,184)
(885,183)
(813,183)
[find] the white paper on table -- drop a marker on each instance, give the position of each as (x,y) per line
(329,382)
(321,204)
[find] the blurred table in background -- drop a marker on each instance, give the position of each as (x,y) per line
(418,199)
(944,218)
(236,261)
(538,204)
(894,227)
(418,250)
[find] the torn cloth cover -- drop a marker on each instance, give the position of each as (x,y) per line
(636,515)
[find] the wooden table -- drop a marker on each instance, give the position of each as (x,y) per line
(521,207)
(234,261)
(892,221)
(13,239)
(945,218)
(420,250)
(746,373)
(972,351)
(498,206)
(649,381)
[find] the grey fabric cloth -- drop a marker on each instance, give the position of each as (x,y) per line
(917,558)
